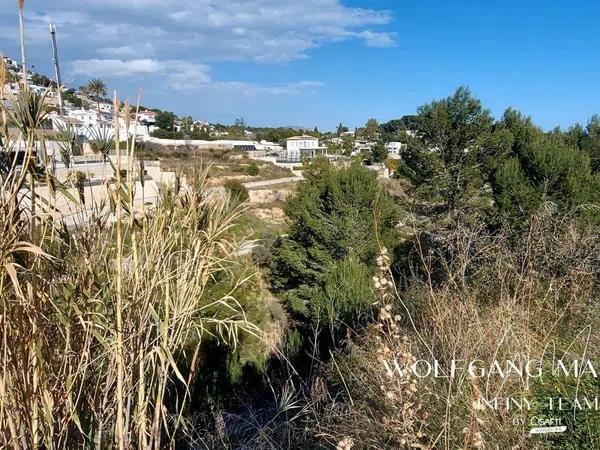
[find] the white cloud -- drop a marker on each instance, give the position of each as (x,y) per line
(182,76)
(127,51)
(264,31)
(249,89)
(115,67)
(173,45)
(374,39)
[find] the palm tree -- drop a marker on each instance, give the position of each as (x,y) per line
(20,4)
(83,89)
(97,89)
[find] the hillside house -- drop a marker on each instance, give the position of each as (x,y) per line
(394,149)
(299,147)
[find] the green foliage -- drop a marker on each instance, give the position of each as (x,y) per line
(339,217)
(161,133)
(583,425)
(42,80)
(442,160)
(341,129)
(252,169)
(95,88)
(68,144)
(587,139)
(273,134)
(371,130)
(379,153)
(346,293)
(201,134)
(237,190)
(515,197)
(535,167)
(242,282)
(102,141)
(591,142)
(166,120)
(70,97)
(459,158)
(347,145)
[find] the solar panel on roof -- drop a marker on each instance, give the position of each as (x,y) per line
(246,148)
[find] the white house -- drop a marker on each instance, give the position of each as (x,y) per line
(269,146)
(298,147)
(146,116)
(394,149)
(362,145)
(83,121)
(90,123)
(106,107)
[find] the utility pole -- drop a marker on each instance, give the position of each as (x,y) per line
(56,66)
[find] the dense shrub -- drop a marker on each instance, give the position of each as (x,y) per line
(252,169)
(161,133)
(338,217)
(237,190)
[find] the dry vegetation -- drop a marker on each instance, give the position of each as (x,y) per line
(534,303)
(102,325)
(145,328)
(225,163)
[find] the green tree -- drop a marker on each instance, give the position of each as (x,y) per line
(339,217)
(166,134)
(341,129)
(371,131)
(442,161)
(96,89)
(392,130)
(379,152)
(541,167)
(347,145)
(186,124)
(42,80)
(591,142)
(69,96)
(166,120)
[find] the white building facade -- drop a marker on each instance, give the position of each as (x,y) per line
(394,149)
(89,124)
(298,147)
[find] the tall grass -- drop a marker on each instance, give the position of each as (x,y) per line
(478,297)
(99,321)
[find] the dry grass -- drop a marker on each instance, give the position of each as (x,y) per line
(98,321)
(529,300)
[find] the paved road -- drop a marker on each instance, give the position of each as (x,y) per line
(264,183)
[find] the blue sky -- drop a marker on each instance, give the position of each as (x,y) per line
(321,62)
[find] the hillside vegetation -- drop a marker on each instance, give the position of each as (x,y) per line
(149,329)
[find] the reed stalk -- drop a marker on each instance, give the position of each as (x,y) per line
(120,429)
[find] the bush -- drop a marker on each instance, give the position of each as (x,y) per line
(252,169)
(583,425)
(237,190)
(166,134)
(338,218)
(261,255)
